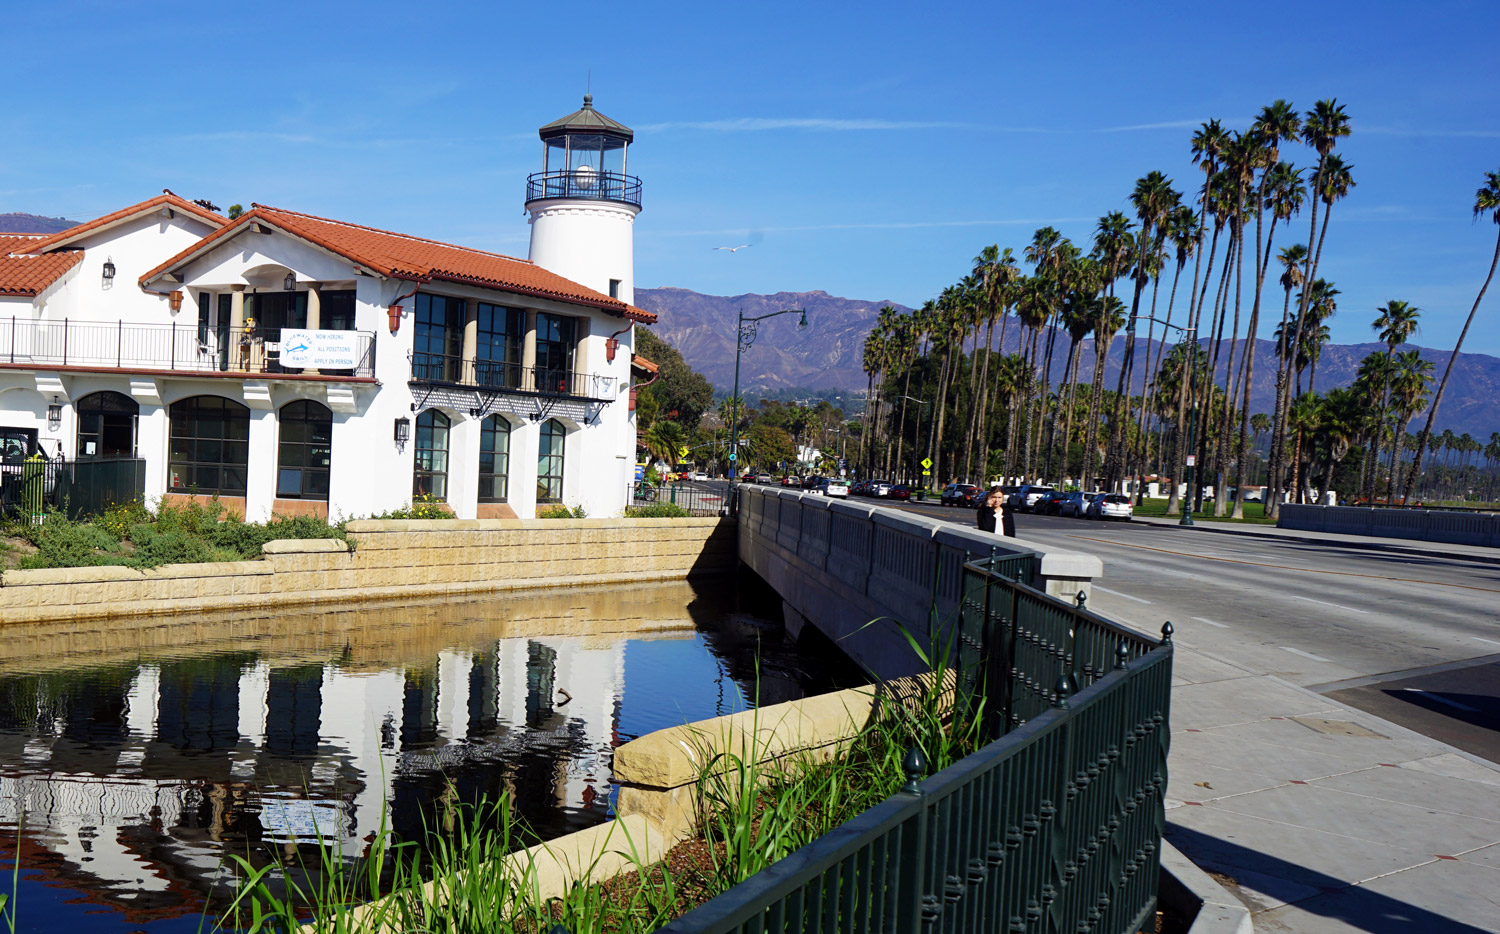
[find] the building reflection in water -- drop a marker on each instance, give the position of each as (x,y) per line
(131,781)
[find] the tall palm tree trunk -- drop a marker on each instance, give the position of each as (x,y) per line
(1195,308)
(1437,398)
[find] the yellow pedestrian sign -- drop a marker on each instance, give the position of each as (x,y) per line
(682,451)
(926,464)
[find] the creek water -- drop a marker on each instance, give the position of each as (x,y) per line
(136,756)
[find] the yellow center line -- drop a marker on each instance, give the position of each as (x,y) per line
(1282,567)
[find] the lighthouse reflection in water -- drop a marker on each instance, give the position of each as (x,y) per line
(137,756)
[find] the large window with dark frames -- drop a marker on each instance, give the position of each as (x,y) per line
(494,459)
(305,452)
(555,339)
(107,425)
(209,447)
(439,338)
(498,349)
(430,473)
(549,462)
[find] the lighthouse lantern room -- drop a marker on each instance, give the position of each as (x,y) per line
(582,205)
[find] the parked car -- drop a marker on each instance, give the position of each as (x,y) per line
(900,491)
(764,478)
(879,488)
(812,480)
(1025,498)
(791,480)
(958,494)
(1050,504)
(835,487)
(1074,504)
(699,476)
(857,488)
(1112,506)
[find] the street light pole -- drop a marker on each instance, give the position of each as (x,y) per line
(1189,344)
(745,332)
(916,434)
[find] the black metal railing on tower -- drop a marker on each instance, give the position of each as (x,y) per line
(592,185)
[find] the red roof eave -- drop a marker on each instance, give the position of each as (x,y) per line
(165,199)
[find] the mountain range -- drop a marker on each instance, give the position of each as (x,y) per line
(33,223)
(829,354)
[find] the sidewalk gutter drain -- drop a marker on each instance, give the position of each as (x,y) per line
(1338,728)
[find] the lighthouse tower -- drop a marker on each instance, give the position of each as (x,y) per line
(582,205)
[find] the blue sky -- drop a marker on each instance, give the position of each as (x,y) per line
(869,150)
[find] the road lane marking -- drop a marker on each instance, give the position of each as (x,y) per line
(1211,622)
(1441,699)
(1316,658)
(1283,567)
(1490,641)
(1118,594)
(1336,606)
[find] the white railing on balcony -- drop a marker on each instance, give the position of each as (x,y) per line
(176,347)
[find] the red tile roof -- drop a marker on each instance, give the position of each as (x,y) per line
(640,362)
(165,199)
(30,275)
(19,242)
(406,257)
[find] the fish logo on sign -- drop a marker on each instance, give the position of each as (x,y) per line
(299,347)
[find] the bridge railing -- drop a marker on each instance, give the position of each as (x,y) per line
(1428,525)
(1054,826)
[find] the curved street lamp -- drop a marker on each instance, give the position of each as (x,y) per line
(745,333)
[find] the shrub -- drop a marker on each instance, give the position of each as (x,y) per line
(64,544)
(657,511)
(119,517)
(422,507)
(559,511)
(154,548)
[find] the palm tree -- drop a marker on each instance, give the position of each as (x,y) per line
(1322,127)
(1409,393)
(1078,319)
(1302,421)
(1486,201)
(1153,199)
(1395,322)
(663,440)
(1109,317)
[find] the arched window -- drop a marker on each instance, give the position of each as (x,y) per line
(107,425)
(210,446)
(549,462)
(430,473)
(305,451)
(494,459)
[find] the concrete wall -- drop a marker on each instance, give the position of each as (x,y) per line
(865,575)
(1427,525)
(390,559)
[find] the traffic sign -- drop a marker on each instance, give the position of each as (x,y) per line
(682,451)
(734,455)
(926,464)
(1192,459)
(926,473)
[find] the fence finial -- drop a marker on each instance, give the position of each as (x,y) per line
(1081,600)
(1122,655)
(914,764)
(1166,632)
(1062,689)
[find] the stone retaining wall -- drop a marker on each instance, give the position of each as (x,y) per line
(388,558)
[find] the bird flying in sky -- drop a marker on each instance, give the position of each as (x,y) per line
(733,249)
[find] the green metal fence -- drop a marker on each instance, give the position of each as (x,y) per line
(1055,826)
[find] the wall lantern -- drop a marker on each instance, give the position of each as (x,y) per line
(174,298)
(107,274)
(289,284)
(403,430)
(54,414)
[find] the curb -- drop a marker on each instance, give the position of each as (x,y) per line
(1191,891)
(1387,545)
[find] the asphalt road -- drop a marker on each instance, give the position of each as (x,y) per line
(1407,633)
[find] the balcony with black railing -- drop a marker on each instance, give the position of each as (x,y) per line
(496,375)
(590,185)
(175,347)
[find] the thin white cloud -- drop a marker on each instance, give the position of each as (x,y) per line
(1402,131)
(877,225)
(1170,125)
(761,124)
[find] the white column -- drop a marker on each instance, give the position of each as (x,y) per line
(453,695)
(463,466)
(151,444)
(524,439)
(260,481)
(314,312)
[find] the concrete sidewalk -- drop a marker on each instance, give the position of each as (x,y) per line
(1323,818)
(1475,552)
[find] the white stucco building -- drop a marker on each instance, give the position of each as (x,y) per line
(292,363)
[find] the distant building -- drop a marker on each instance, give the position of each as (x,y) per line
(291,363)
